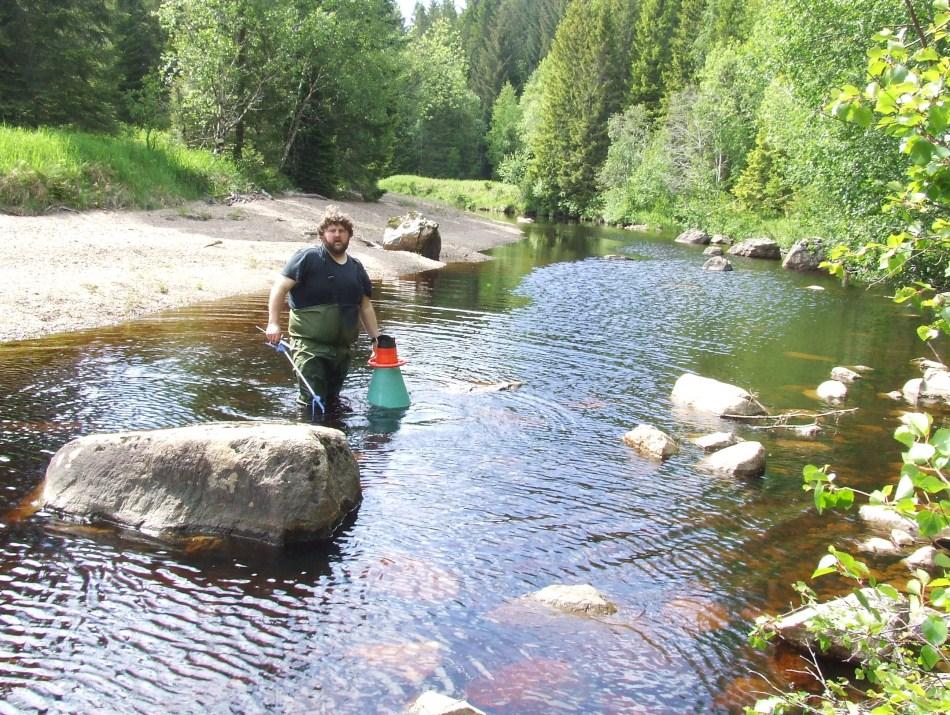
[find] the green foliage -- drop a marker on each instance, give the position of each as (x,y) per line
(906,98)
(58,64)
(685,56)
(148,106)
(902,667)
(312,89)
(762,184)
(139,42)
(343,120)
(45,168)
(505,41)
(582,84)
(468,195)
(504,137)
(425,16)
(652,37)
(442,133)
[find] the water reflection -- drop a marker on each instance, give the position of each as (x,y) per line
(473,496)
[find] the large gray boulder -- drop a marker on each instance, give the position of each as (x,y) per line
(414,233)
(704,394)
(805,255)
(757,248)
(278,483)
(695,236)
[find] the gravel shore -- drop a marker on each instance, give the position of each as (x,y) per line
(70,271)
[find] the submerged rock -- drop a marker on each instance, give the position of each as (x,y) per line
(746,459)
(844,374)
(809,430)
(885,518)
(581,599)
(712,251)
(648,440)
(278,483)
(433,703)
(719,398)
(877,545)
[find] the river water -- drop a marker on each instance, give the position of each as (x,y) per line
(472,498)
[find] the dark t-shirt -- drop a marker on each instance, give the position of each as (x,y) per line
(321,280)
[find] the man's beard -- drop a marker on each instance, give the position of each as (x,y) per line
(337,251)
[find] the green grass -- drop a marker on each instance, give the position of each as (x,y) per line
(44,169)
(471,195)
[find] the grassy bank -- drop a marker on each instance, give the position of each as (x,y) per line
(44,169)
(471,195)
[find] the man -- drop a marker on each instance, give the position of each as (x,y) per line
(329,297)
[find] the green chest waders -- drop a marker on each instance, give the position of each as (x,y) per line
(323,337)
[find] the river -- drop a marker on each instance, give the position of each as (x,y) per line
(472,498)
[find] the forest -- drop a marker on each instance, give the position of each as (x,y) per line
(676,112)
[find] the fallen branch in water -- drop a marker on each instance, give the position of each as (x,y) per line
(784,416)
(809,430)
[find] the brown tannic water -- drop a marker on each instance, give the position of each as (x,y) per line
(472,498)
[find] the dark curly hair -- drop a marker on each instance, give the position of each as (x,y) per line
(333,215)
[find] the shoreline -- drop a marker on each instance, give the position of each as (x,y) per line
(72,271)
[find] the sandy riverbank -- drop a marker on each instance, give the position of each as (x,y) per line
(70,271)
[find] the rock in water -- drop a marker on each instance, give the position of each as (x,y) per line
(581,599)
(806,255)
(433,703)
(719,398)
(693,235)
(279,483)
(413,232)
(832,391)
(718,263)
(745,459)
(650,441)
(757,248)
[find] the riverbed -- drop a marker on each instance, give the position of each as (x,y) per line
(473,497)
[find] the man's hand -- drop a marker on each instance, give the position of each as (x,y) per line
(273,333)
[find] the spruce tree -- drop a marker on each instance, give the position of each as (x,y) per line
(652,36)
(58,63)
(583,83)
(503,137)
(685,56)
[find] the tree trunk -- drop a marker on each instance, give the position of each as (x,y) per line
(239,128)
